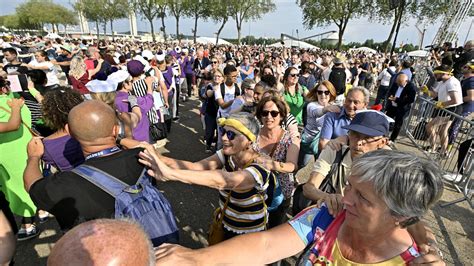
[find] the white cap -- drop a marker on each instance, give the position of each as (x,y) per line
(177,49)
(147,54)
(185,50)
(160,56)
(118,76)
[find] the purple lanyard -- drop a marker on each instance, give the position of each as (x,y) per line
(103,152)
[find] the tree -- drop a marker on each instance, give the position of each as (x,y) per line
(93,11)
(220,12)
(325,12)
(246,10)
(150,9)
(197,9)
(386,11)
(115,9)
(177,8)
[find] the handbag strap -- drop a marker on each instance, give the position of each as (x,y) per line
(276,143)
(27,127)
(221,216)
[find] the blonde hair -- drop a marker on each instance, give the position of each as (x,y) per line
(77,67)
(105,97)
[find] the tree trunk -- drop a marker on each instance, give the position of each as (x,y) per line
(104,27)
(152,30)
(112,29)
(65,29)
(224,21)
(239,28)
(163,26)
(390,36)
(196,17)
(340,34)
(97,29)
(177,28)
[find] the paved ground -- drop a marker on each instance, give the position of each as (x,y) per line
(193,205)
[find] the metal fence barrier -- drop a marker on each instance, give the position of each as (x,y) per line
(439,133)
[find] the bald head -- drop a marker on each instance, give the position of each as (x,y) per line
(103,242)
(402,80)
(91,122)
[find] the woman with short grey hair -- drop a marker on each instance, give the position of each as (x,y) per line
(408,185)
(386,191)
(247,189)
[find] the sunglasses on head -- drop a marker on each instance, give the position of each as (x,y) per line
(294,75)
(229,133)
(325,92)
(273,113)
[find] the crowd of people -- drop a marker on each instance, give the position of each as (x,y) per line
(82,124)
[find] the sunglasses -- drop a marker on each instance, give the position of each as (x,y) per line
(273,113)
(294,75)
(229,133)
(214,62)
(325,92)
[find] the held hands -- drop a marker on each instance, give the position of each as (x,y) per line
(333,201)
(266,162)
(35,147)
(15,103)
(429,255)
(158,169)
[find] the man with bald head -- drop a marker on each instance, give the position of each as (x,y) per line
(103,242)
(69,197)
(401,95)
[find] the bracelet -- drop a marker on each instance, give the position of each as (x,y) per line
(118,140)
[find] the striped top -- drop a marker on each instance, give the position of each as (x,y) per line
(246,211)
(139,89)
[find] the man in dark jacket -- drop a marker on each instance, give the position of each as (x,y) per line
(338,76)
(401,94)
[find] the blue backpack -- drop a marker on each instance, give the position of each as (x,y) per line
(141,202)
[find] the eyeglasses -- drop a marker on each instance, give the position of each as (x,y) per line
(325,92)
(363,139)
(214,62)
(273,113)
(229,133)
(294,75)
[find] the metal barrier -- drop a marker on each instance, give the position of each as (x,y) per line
(439,133)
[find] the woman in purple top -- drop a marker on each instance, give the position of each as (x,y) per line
(135,108)
(61,150)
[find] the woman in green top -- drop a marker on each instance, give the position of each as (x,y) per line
(294,93)
(12,163)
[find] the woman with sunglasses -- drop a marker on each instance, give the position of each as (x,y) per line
(320,101)
(294,93)
(247,187)
(280,148)
(245,102)
(13,158)
(246,68)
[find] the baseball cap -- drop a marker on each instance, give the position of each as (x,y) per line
(371,123)
(135,67)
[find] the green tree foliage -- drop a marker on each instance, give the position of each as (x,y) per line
(177,9)
(92,10)
(326,12)
(248,10)
(115,9)
(197,9)
(423,10)
(220,13)
(150,9)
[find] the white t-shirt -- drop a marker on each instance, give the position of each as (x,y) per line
(51,72)
(228,96)
(385,76)
(443,89)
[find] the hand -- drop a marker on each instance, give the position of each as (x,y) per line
(336,144)
(30,83)
(35,147)
(425,90)
(266,162)
(15,103)
(428,256)
(100,60)
(158,169)
(171,254)
(392,98)
(332,109)
(333,202)
(439,105)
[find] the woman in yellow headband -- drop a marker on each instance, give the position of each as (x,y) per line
(247,190)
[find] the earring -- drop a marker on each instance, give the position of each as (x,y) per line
(397,223)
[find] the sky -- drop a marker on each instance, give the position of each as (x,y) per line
(287,18)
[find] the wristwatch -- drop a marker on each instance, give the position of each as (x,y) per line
(118,140)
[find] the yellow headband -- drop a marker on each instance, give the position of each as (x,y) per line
(237,125)
(442,72)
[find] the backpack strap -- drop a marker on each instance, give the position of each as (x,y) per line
(101,179)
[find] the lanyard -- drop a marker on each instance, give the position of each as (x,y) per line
(103,152)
